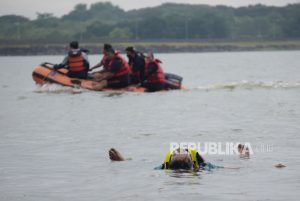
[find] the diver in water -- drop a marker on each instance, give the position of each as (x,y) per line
(179,159)
(76,62)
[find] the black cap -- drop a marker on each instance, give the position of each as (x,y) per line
(74,45)
(130,49)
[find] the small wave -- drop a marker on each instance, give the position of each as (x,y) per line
(110,94)
(251,85)
(57,89)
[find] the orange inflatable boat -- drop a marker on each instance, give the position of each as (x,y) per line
(44,74)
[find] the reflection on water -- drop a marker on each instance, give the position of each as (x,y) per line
(183,177)
(112,94)
(183,173)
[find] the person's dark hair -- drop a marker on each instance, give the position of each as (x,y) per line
(107,47)
(74,45)
(130,49)
(181,164)
(111,50)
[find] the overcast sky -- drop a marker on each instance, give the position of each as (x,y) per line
(29,8)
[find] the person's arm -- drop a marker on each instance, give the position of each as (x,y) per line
(160,167)
(209,166)
(86,61)
(96,66)
(101,63)
(63,64)
(205,165)
(86,65)
(115,155)
(130,60)
(115,66)
(200,160)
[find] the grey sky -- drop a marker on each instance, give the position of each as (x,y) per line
(29,8)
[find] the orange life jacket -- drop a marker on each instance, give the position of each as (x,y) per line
(156,77)
(76,62)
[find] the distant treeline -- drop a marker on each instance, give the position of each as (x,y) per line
(104,21)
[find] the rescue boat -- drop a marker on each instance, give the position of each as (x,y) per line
(45,74)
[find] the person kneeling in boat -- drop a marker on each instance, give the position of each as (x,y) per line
(155,77)
(136,60)
(76,62)
(103,61)
(186,159)
(116,72)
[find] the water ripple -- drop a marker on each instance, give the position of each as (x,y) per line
(244,84)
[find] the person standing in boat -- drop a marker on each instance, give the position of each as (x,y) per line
(115,73)
(155,77)
(136,60)
(76,62)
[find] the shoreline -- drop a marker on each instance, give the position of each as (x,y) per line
(154,46)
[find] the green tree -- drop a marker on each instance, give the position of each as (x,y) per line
(168,21)
(152,27)
(98,30)
(80,13)
(120,33)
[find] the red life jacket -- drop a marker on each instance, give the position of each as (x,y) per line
(105,61)
(76,62)
(123,70)
(156,77)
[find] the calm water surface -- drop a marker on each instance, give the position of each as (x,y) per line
(54,140)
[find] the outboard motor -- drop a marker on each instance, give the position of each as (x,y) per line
(173,81)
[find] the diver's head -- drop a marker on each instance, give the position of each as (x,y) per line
(181,159)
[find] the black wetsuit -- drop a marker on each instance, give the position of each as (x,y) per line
(138,67)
